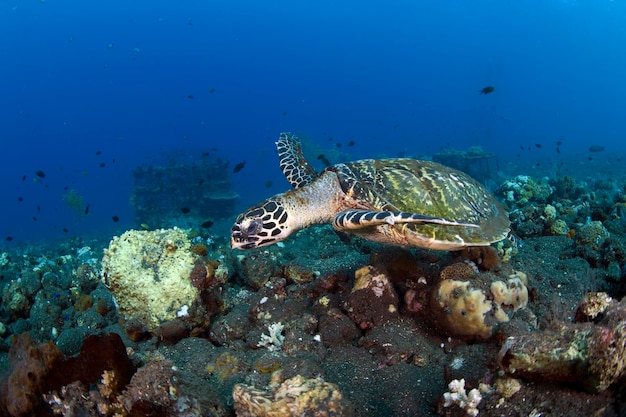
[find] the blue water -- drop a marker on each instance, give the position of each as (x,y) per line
(130,79)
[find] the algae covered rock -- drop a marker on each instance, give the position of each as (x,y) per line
(372,301)
(148,274)
(524,189)
(592,234)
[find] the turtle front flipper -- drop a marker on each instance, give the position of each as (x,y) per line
(358,219)
(295,168)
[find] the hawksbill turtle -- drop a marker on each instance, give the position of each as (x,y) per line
(399,201)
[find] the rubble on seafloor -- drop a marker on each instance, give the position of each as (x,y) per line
(171,322)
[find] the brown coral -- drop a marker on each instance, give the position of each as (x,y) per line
(200,249)
(83,302)
(459,270)
(30,363)
(202,275)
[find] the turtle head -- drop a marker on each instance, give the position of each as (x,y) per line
(261,225)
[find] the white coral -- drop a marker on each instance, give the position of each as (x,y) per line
(457,395)
(273,341)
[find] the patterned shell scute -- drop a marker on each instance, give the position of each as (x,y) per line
(427,188)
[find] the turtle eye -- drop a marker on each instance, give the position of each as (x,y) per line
(253,227)
(249,227)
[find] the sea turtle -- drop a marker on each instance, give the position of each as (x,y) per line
(400,201)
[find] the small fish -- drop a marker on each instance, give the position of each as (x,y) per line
(284,113)
(40,174)
(87,209)
(102,164)
(488,89)
(201,181)
(538,145)
(191,96)
(596,148)
(559,142)
(558,150)
(34,218)
(239,167)
(185,210)
(338,145)
(206,224)
(115,219)
(8,238)
(98,153)
(144,226)
(212,90)
(521,147)
(268,184)
(20,199)
(351,143)
(38,209)
(23,177)
(205,154)
(324,160)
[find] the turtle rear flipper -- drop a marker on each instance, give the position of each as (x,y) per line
(359,219)
(295,168)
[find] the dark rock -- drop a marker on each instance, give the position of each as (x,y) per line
(337,329)
(257,269)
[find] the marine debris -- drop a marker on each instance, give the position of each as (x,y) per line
(195,189)
(476,162)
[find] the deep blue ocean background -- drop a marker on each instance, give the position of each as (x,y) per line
(118,83)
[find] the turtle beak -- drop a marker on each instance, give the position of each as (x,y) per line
(234,244)
(239,241)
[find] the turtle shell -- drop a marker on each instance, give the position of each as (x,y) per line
(427,188)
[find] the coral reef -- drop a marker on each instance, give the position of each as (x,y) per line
(389,337)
